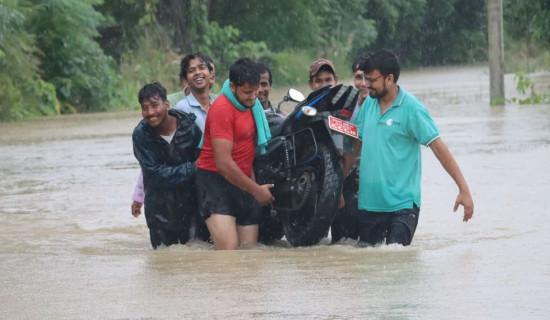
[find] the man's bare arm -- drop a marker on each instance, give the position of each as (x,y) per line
(448,162)
(233,174)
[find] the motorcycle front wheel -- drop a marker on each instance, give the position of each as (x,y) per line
(308,225)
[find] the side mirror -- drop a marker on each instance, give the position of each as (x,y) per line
(292,95)
(295,95)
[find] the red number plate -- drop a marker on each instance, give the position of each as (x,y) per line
(342,126)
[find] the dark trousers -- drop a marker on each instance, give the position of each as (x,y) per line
(345,223)
(196,230)
(395,227)
(167,237)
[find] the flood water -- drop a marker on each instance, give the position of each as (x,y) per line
(70,249)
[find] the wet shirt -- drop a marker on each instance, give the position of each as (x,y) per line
(224,121)
(168,171)
(390,169)
(190,104)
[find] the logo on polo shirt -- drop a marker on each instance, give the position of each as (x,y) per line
(391,122)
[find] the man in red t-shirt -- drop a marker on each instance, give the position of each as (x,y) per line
(229,198)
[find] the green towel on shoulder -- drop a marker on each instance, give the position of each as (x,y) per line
(262,128)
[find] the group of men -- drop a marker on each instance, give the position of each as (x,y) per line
(197,158)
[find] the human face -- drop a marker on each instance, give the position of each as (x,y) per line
(198,76)
(245,94)
(265,87)
(376,84)
(321,79)
(154,111)
(360,84)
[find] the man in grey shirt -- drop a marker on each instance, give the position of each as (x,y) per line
(197,72)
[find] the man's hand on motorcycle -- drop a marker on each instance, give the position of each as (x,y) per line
(263,195)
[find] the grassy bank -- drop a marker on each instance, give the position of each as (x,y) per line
(527,56)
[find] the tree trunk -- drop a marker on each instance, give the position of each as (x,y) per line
(175,15)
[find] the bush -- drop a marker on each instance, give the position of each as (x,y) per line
(84,77)
(152,62)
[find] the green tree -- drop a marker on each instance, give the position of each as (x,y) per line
(223,44)
(527,35)
(527,19)
(343,34)
(143,41)
(22,92)
(124,24)
(455,32)
(431,32)
(398,24)
(155,34)
(283,24)
(95,54)
(84,77)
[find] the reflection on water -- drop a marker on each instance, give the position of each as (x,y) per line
(70,248)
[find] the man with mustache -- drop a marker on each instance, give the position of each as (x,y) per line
(229,198)
(392,125)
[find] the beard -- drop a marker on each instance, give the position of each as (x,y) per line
(377,94)
(246,105)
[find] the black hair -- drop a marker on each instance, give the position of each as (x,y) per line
(184,65)
(210,63)
(263,69)
(358,61)
(151,90)
(244,71)
(383,60)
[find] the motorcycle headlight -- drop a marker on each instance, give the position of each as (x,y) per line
(309,111)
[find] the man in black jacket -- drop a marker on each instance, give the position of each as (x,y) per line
(166,146)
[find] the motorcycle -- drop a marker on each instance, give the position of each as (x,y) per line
(303,161)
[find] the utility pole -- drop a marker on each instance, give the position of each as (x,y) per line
(496,52)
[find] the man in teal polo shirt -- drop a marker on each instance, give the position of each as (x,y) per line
(392,124)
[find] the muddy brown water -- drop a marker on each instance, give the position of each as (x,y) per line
(69,248)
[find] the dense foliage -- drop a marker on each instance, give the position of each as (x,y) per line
(431,32)
(61,56)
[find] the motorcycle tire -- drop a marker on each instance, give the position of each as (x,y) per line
(309,225)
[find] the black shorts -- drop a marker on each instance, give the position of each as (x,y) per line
(217,195)
(396,227)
